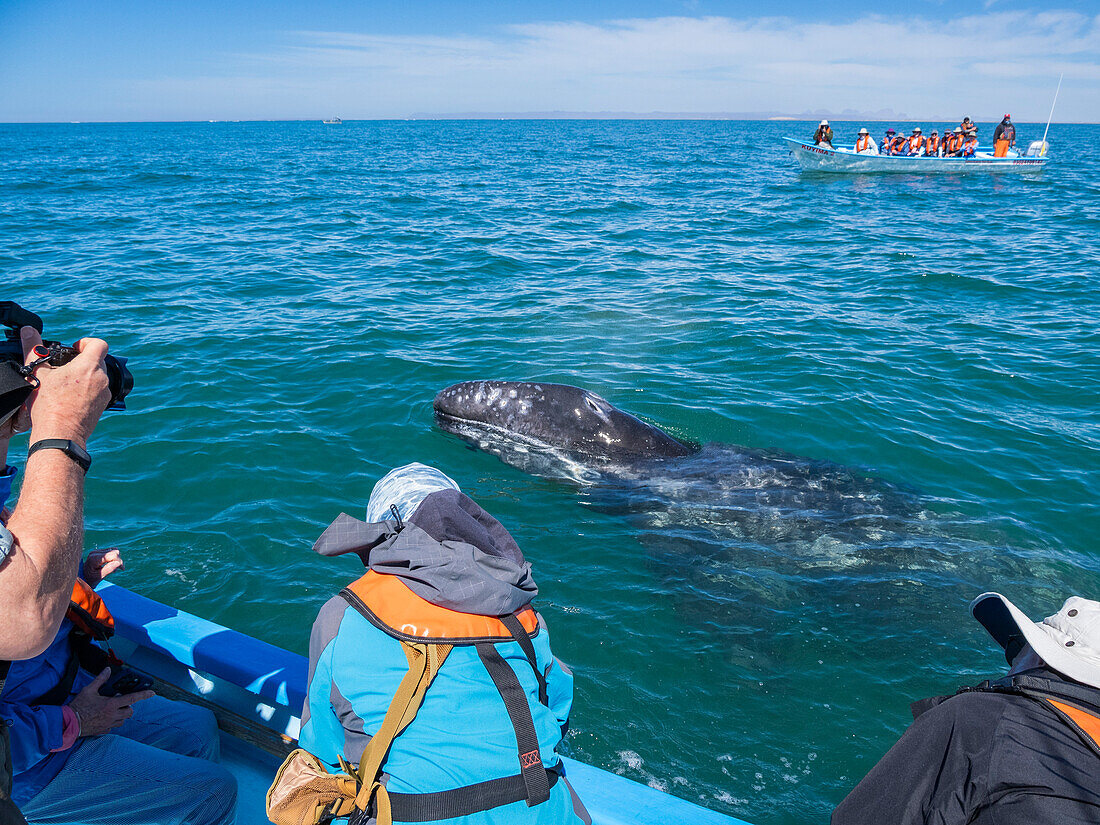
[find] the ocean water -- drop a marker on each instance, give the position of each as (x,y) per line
(291,297)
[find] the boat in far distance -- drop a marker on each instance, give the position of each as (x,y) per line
(845,159)
(333,121)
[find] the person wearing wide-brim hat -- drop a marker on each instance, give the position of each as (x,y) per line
(915,143)
(824,135)
(970,143)
(1022,749)
(953,141)
(865,144)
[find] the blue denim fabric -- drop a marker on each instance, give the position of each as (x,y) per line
(158,768)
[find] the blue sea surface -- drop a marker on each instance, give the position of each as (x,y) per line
(291,296)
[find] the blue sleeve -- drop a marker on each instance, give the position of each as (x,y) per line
(35,731)
(559,679)
(7,476)
(321,734)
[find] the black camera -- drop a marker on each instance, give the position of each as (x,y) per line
(16,386)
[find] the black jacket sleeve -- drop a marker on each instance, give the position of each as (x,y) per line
(936,773)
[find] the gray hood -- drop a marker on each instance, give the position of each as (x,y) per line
(450,553)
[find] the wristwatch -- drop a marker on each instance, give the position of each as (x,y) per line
(69,448)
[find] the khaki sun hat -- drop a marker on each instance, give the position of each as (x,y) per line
(1068,641)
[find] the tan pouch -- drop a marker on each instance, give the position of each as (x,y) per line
(305,793)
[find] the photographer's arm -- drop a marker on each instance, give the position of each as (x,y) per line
(48,523)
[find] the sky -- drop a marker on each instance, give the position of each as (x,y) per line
(118,60)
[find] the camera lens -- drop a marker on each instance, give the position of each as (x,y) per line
(119,380)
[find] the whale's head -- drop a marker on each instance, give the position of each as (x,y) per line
(505,416)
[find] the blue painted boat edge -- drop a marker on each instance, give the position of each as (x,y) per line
(279,676)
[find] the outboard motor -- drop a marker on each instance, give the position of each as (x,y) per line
(1037,149)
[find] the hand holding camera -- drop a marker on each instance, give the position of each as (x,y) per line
(60,391)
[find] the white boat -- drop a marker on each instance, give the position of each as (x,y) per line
(333,121)
(256,691)
(847,160)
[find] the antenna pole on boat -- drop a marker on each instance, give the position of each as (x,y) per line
(1063,74)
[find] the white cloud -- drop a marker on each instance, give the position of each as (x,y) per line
(979,63)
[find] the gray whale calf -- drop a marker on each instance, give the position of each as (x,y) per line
(724,494)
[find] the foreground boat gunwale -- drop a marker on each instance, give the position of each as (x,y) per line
(254,686)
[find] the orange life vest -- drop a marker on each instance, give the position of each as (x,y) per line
(898,145)
(89,614)
(970,146)
(405,615)
(915,144)
(863,142)
(1085,722)
(933,145)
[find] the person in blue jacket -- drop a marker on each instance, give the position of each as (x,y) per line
(481,749)
(79,757)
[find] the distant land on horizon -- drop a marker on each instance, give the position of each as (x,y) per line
(881,114)
(847,114)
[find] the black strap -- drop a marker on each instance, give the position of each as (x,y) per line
(515,701)
(459,802)
(519,633)
(4,667)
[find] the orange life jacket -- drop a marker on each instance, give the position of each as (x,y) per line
(89,614)
(405,615)
(970,146)
(863,142)
(898,144)
(1086,723)
(915,144)
(933,145)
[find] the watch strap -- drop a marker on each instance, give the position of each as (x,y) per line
(69,448)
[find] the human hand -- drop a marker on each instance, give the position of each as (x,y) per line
(101,563)
(69,399)
(102,714)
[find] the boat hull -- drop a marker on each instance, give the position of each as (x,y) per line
(845,161)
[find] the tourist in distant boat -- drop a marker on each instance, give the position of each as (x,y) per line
(899,145)
(970,145)
(953,143)
(967,124)
(932,145)
(824,135)
(915,145)
(1004,137)
(887,140)
(865,144)
(1020,750)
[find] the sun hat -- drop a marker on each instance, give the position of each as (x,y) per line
(958,130)
(916,130)
(823,123)
(891,132)
(1068,641)
(864,131)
